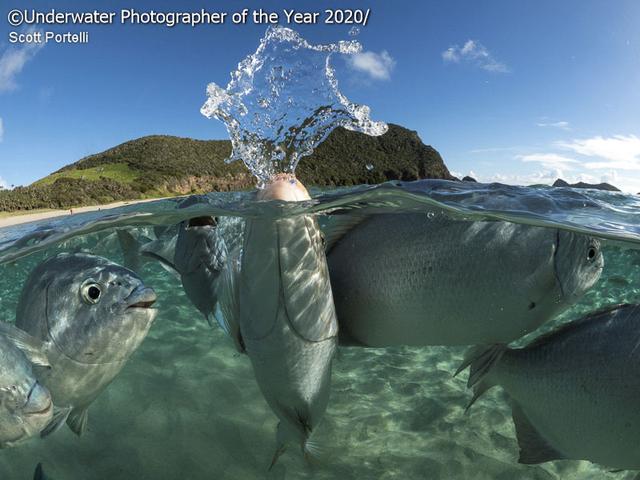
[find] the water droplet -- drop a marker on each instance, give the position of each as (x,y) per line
(285,94)
(354,31)
(369,167)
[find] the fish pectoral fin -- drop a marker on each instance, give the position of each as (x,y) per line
(278,453)
(533,447)
(60,416)
(77,420)
(32,347)
(228,316)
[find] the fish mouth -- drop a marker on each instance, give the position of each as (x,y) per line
(44,411)
(141,297)
(38,395)
(203,222)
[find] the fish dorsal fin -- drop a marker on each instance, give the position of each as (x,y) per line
(77,420)
(33,348)
(162,250)
(165,262)
(130,249)
(533,447)
(599,315)
(339,225)
(482,360)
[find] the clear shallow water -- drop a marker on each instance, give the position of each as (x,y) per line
(187,405)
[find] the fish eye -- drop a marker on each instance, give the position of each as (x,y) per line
(591,253)
(91,293)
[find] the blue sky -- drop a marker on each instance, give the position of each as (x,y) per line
(518,92)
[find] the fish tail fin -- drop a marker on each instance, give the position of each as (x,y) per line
(39,473)
(312,452)
(481,360)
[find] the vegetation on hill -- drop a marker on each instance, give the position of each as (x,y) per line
(157,166)
(597,186)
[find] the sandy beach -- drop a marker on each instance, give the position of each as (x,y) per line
(16,218)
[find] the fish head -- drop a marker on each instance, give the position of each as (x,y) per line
(200,255)
(284,186)
(25,405)
(94,310)
(578,264)
(199,247)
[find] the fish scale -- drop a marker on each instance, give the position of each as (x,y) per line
(413,279)
(578,387)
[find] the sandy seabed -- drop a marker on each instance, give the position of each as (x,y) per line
(187,407)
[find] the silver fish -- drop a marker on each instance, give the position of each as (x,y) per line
(91,315)
(574,391)
(287,318)
(196,256)
(25,405)
(199,258)
(426,279)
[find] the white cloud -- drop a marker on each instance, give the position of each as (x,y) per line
(617,152)
(376,65)
(12,61)
(549,160)
(562,125)
(475,53)
(1,129)
(3,183)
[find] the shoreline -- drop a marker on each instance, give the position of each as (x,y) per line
(16,218)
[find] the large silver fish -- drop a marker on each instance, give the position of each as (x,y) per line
(287,318)
(91,315)
(426,279)
(25,405)
(574,391)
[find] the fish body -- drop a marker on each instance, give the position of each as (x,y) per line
(196,255)
(574,391)
(91,315)
(287,318)
(199,258)
(26,407)
(427,279)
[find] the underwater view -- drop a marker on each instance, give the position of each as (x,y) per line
(187,403)
(410,327)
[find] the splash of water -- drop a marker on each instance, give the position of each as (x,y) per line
(283,100)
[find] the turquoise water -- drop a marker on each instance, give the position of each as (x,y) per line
(187,405)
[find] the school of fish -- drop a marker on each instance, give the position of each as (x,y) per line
(292,292)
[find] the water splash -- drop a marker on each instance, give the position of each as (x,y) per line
(283,100)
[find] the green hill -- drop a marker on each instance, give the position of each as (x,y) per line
(158,166)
